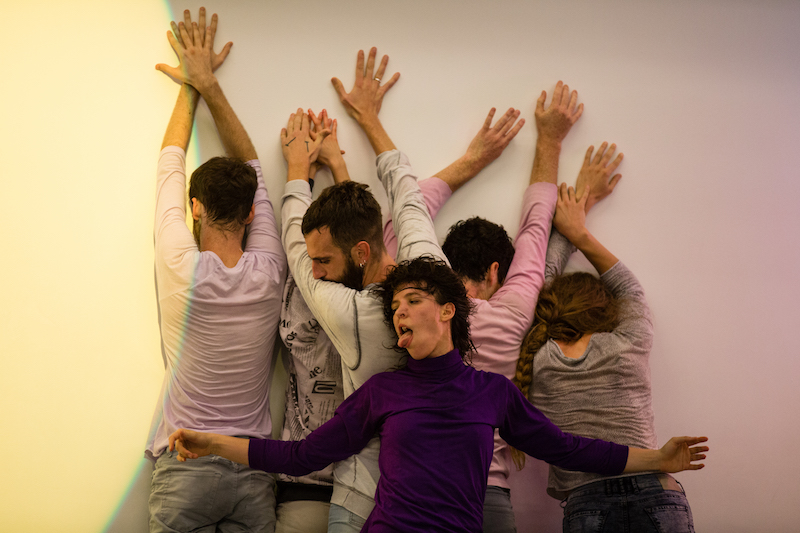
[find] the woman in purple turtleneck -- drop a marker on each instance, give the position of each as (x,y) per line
(436,418)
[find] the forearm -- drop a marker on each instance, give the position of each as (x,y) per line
(377,136)
(297,170)
(410,217)
(179,129)
(642,460)
(339,170)
(231,448)
(597,254)
(545,160)
(459,172)
(231,131)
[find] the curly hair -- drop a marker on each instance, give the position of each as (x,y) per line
(569,307)
(226,187)
(437,279)
(472,246)
(351,214)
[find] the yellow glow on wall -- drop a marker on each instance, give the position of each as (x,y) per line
(83,112)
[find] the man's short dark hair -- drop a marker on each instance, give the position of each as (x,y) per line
(226,187)
(472,246)
(350,213)
(437,279)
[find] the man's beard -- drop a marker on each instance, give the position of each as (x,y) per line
(353,276)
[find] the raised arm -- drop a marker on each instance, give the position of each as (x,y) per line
(570,221)
(552,125)
(487,145)
(195,51)
(179,128)
(596,180)
(364,100)
(330,154)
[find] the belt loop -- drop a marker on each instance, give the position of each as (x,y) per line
(634,484)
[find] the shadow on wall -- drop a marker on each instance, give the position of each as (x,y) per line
(132,515)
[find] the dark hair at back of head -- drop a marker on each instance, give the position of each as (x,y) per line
(436,278)
(350,213)
(226,187)
(472,246)
(570,306)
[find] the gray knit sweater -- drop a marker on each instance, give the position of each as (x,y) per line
(606,392)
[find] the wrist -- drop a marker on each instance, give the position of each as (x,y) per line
(368,121)
(298,170)
(548,142)
(579,237)
(205,84)
(471,165)
(216,445)
(335,164)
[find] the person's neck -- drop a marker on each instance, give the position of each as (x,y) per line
(376,271)
(227,245)
(576,349)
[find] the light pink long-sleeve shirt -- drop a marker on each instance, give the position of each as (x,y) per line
(218,324)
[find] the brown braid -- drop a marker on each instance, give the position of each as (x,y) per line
(569,306)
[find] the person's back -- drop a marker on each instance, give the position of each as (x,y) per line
(604,392)
(218,306)
(585,364)
(217,323)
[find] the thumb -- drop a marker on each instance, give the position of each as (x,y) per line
(322,134)
(540,102)
(173,72)
(225,51)
(339,87)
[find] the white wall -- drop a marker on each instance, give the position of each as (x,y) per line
(702,97)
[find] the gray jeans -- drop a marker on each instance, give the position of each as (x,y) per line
(498,515)
(210,494)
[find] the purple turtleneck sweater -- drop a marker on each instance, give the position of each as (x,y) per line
(436,421)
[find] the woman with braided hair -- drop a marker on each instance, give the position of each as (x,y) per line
(585,365)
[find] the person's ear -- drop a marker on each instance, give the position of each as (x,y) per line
(197,209)
(250,216)
(360,253)
(491,274)
(447,312)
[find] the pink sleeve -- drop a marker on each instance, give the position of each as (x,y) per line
(526,273)
(435,192)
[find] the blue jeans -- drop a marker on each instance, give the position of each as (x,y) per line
(628,504)
(210,494)
(340,520)
(498,515)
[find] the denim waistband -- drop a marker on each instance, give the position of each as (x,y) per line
(629,485)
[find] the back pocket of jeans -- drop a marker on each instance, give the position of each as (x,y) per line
(585,522)
(191,490)
(671,518)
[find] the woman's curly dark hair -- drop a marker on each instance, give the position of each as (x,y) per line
(433,276)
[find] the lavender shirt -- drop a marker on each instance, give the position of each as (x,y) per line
(436,420)
(218,324)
